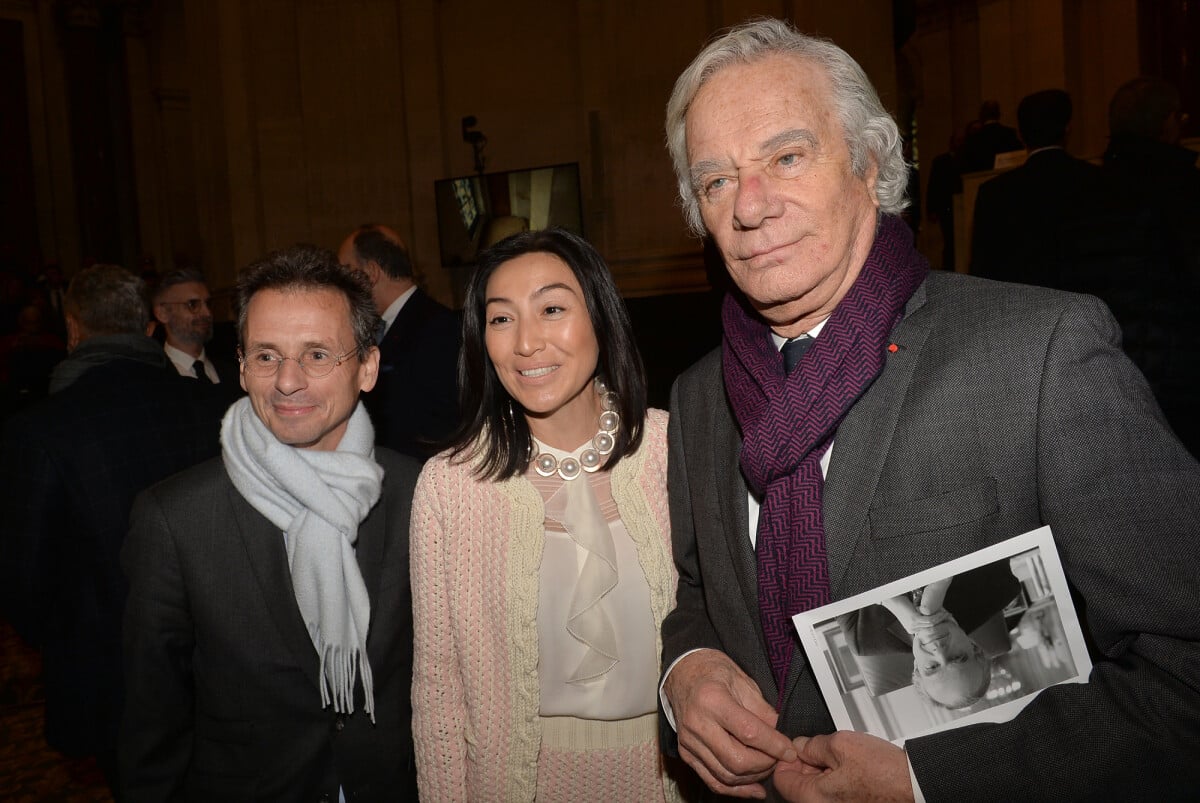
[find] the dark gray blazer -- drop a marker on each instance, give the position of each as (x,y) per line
(1004,408)
(223,700)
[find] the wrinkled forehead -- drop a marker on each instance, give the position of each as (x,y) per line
(744,99)
(316,311)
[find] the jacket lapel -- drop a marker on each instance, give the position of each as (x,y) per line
(863,442)
(732,493)
(369,551)
(268,560)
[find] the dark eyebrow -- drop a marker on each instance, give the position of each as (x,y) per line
(536,293)
(555,286)
(311,344)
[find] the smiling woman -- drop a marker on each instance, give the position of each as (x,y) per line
(541,559)
(540,339)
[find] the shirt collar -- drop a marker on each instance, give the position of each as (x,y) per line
(389,314)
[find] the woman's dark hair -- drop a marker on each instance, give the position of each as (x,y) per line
(489,414)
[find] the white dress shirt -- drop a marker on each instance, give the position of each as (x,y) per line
(183,363)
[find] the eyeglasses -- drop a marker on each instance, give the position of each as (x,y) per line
(192,304)
(314,362)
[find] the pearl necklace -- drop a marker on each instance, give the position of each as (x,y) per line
(602,443)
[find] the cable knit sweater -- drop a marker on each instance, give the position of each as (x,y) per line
(475,551)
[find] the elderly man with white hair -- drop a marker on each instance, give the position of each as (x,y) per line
(864,419)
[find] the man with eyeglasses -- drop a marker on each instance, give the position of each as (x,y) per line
(181,307)
(268,632)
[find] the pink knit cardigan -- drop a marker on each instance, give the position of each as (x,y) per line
(475,551)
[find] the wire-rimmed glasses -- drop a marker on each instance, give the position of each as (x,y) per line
(315,362)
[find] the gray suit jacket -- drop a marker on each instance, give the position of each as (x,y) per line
(223,701)
(1004,408)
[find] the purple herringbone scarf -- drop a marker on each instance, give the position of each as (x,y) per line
(788,422)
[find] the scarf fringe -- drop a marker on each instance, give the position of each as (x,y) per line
(339,671)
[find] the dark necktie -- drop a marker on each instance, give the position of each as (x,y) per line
(793,350)
(201,374)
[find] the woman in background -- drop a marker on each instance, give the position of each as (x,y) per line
(541,556)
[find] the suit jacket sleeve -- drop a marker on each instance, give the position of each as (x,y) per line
(1123,499)
(687,627)
(439,705)
(158,724)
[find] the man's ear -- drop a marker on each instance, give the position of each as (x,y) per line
(373,271)
(871,178)
(368,370)
(159,313)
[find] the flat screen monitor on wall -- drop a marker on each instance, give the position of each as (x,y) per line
(474,212)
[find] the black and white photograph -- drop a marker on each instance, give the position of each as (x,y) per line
(970,640)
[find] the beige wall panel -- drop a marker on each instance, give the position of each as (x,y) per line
(1109,54)
(863,28)
(215,64)
(284,181)
(998,58)
(516,70)
(425,157)
(49,137)
(178,240)
(642,217)
(238,98)
(145,146)
(935,118)
(732,12)
(1044,65)
(964,64)
(184,243)
(277,126)
(352,105)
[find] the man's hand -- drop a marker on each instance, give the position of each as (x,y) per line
(726,729)
(845,766)
(928,621)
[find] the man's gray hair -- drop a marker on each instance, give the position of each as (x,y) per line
(108,300)
(179,276)
(869,130)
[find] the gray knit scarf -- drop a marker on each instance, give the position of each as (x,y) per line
(317,499)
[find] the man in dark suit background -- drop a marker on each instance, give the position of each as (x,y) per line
(1159,178)
(181,307)
(1027,220)
(268,633)
(931,415)
(121,419)
(415,402)
(988,140)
